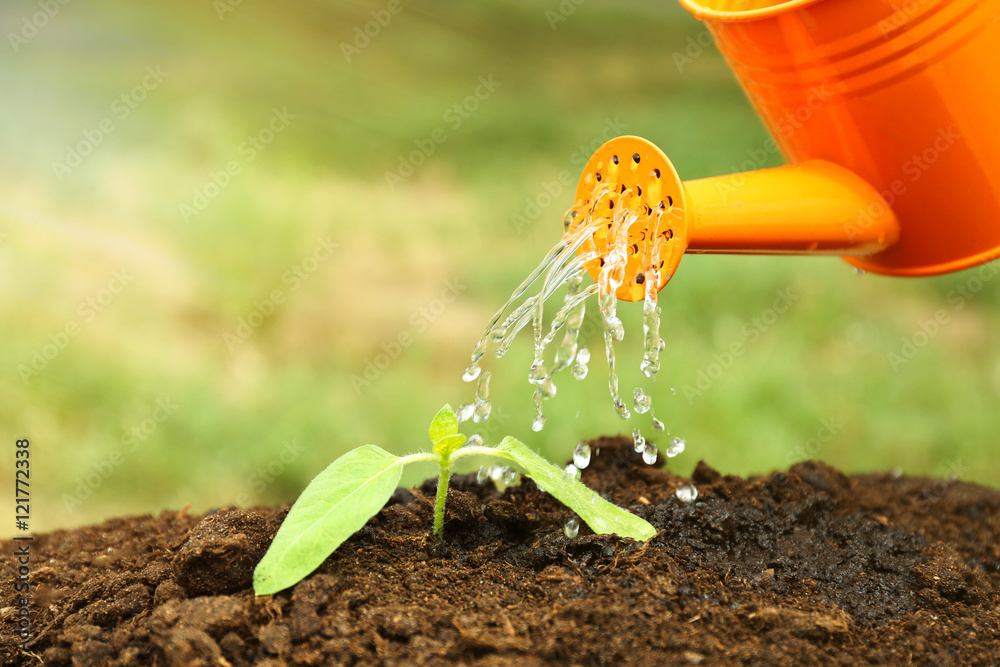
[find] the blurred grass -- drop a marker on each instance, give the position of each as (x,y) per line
(323,177)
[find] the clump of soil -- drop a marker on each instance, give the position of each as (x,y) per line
(806,566)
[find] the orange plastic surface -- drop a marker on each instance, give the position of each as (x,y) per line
(903,94)
(809,208)
(633,173)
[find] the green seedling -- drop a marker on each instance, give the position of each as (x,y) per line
(341,499)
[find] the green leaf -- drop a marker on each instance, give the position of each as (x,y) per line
(602,516)
(446,445)
(335,505)
(445,423)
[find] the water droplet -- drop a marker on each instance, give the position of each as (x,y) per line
(583,356)
(571,473)
(464,412)
(508,476)
(597,452)
(474,440)
(617,328)
(896,473)
(537,373)
(649,453)
(621,409)
(483,474)
(547,388)
(581,455)
(483,388)
(538,423)
(686,493)
(572,528)
(496,472)
(638,441)
(579,371)
(675,447)
(471,373)
(481,412)
(642,401)
(859,271)
(673,391)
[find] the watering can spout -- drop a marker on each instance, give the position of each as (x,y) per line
(815,208)
(812,208)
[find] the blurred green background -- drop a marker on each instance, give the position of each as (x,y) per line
(140,392)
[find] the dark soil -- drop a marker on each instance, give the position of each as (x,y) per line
(805,567)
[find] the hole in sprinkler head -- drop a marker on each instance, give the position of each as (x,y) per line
(639,190)
(623,187)
(611,203)
(598,177)
(661,205)
(635,248)
(635,158)
(670,200)
(614,158)
(657,172)
(602,260)
(640,278)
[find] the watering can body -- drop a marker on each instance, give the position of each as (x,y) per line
(895,100)
(905,94)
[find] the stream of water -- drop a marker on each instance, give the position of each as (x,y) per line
(565,264)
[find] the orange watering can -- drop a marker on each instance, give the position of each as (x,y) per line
(887,113)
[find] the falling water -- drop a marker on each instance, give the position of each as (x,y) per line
(566,264)
(481,410)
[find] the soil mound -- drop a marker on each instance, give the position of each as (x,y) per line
(806,566)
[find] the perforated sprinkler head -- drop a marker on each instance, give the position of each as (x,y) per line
(631,193)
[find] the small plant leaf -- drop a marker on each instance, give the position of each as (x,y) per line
(448,444)
(602,517)
(445,423)
(335,505)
